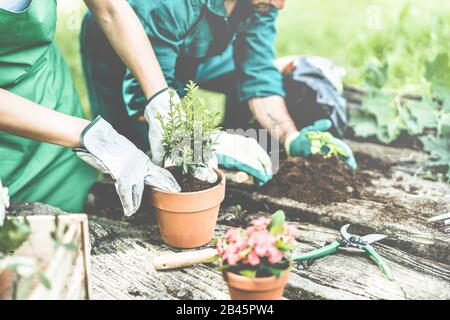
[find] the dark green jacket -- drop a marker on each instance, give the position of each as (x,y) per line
(185,33)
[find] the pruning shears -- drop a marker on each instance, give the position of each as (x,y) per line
(350,241)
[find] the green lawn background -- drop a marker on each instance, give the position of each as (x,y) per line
(404,33)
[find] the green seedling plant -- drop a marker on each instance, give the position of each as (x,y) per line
(188,131)
(323,143)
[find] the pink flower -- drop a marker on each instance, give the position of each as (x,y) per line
(261,241)
(253,258)
(275,255)
(241,243)
(254,245)
(233,234)
(233,259)
(250,230)
(232,248)
(261,238)
(261,223)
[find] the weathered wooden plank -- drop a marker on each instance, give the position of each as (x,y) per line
(122,251)
(121,268)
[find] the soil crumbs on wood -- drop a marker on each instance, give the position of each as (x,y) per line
(317,180)
(188,183)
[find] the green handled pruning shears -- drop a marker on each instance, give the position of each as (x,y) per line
(351,241)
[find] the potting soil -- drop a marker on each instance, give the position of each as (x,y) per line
(188,183)
(317,180)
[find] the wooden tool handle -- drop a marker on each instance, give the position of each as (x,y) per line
(184,259)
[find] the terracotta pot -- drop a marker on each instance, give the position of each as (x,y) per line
(188,220)
(243,288)
(6,281)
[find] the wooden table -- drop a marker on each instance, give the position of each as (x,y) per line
(416,250)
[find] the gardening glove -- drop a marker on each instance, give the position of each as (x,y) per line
(159,104)
(299,144)
(238,153)
(113,154)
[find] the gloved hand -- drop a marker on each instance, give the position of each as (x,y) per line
(158,104)
(238,153)
(113,154)
(299,145)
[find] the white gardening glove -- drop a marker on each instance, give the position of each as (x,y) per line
(113,154)
(159,104)
(238,153)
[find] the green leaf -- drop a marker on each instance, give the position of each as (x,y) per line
(45,281)
(276,271)
(283,246)
(382,107)
(444,125)
(13,233)
(248,273)
(422,115)
(364,125)
(71,246)
(438,74)
(439,149)
(376,76)
(277,223)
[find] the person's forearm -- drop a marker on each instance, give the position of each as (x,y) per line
(27,119)
(272,114)
(128,38)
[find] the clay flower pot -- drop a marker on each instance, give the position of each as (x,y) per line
(6,282)
(188,220)
(243,288)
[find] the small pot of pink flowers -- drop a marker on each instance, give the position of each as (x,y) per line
(255,261)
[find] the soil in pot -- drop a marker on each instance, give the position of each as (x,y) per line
(317,180)
(188,183)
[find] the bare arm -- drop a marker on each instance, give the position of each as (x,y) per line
(117,19)
(27,119)
(272,114)
(128,38)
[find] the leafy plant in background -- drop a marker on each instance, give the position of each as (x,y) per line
(386,115)
(261,250)
(405,41)
(188,130)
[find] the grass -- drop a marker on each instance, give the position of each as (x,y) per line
(403,33)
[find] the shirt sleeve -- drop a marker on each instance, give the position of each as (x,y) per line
(165,27)
(254,54)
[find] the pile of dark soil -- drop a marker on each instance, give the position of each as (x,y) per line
(188,183)
(317,180)
(368,163)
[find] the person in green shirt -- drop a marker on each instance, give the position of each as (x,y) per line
(223,45)
(41,118)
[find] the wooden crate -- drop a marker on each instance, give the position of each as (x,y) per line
(67,269)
